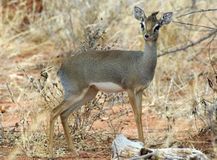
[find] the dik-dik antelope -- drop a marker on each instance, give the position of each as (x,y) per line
(83,75)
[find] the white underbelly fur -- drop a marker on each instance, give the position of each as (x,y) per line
(107,86)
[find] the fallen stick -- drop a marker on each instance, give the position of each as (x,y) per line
(123,148)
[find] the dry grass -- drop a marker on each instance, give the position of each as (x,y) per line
(180,89)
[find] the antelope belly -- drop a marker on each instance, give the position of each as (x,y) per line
(108,86)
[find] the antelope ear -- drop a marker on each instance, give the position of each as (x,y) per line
(166,18)
(139,14)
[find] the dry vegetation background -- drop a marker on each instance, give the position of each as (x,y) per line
(179,107)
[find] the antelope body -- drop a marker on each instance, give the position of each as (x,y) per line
(83,75)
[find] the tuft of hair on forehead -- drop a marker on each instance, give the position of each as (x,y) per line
(153,16)
(155,13)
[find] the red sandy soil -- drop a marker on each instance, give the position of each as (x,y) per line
(154,126)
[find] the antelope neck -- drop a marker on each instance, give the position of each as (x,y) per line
(150,49)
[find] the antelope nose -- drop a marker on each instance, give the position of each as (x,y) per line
(146,36)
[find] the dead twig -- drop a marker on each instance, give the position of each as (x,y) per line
(12,96)
(190,44)
(197,11)
(210,59)
(194,25)
(203,49)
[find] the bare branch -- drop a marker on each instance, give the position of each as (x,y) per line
(210,59)
(190,44)
(197,11)
(211,21)
(195,25)
(201,51)
(12,95)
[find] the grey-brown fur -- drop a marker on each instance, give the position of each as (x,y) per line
(132,71)
(108,66)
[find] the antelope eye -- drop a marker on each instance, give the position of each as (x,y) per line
(156,28)
(142,26)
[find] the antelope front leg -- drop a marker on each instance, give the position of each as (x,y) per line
(136,103)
